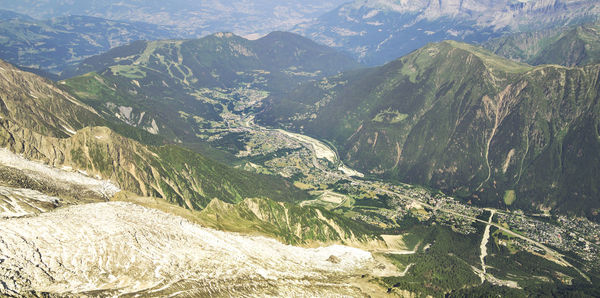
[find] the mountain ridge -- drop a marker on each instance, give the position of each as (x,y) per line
(59,130)
(378,31)
(489,132)
(570,46)
(169,87)
(53,45)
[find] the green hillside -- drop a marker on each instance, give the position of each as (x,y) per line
(458,118)
(291,223)
(42,122)
(568,46)
(180,88)
(51,46)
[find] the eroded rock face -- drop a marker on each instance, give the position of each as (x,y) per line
(118,248)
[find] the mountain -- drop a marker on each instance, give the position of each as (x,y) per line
(570,46)
(193,18)
(171,87)
(68,228)
(458,118)
(42,122)
(275,52)
(86,211)
(55,44)
(378,31)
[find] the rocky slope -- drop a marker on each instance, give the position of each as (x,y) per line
(378,31)
(291,223)
(458,118)
(108,249)
(37,103)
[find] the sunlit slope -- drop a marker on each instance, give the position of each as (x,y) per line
(458,118)
(291,223)
(43,123)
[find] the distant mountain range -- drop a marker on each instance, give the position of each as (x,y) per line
(159,85)
(568,46)
(189,17)
(373,32)
(458,118)
(378,31)
(51,46)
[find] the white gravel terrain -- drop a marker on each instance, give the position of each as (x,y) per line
(17,202)
(115,249)
(65,177)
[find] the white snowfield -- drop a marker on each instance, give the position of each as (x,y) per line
(104,188)
(121,248)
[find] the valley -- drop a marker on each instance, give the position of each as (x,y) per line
(313,165)
(232,166)
(429,221)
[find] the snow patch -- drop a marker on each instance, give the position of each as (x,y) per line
(371,14)
(70,131)
(345,32)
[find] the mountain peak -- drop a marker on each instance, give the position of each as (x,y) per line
(489,59)
(224,35)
